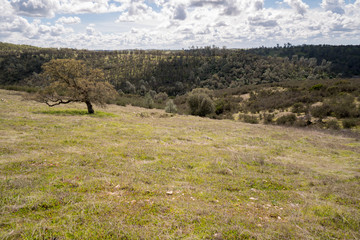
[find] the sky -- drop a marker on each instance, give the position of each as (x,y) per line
(178,24)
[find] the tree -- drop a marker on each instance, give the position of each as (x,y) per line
(70,80)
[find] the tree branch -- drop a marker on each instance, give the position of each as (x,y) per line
(58,102)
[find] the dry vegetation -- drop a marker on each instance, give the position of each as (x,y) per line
(132,173)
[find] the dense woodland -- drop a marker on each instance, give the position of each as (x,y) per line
(291,85)
(345,59)
(173,72)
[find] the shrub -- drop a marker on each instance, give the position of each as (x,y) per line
(268,118)
(288,119)
(333,124)
(149,102)
(343,106)
(170,107)
(321,111)
(317,87)
(249,118)
(298,108)
(301,123)
(349,123)
(161,97)
(223,105)
(200,103)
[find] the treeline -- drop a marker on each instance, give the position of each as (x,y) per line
(345,59)
(172,72)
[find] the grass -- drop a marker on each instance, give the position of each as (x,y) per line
(74,112)
(143,174)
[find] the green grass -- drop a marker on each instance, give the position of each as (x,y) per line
(74,112)
(133,173)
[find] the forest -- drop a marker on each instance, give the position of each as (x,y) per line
(173,72)
(292,85)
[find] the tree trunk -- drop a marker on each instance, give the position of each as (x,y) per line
(90,107)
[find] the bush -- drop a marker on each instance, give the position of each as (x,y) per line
(349,123)
(249,118)
(298,108)
(286,119)
(321,111)
(200,103)
(170,107)
(161,97)
(317,87)
(268,118)
(343,106)
(149,102)
(333,124)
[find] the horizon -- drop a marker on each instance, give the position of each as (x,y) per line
(179,24)
(185,49)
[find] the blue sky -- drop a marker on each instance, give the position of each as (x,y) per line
(177,24)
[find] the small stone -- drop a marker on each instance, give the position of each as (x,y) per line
(251,198)
(169,192)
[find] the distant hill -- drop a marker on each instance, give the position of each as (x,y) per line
(345,59)
(173,72)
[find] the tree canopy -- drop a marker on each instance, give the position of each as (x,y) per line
(69,80)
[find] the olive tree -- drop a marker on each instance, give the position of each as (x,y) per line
(69,80)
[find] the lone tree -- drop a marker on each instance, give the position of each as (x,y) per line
(70,80)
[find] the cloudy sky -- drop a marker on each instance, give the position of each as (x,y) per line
(177,24)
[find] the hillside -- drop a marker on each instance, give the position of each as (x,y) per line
(172,72)
(132,173)
(345,59)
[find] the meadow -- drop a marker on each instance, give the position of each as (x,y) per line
(135,173)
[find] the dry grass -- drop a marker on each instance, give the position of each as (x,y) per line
(134,173)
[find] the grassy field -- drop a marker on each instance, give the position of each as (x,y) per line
(132,173)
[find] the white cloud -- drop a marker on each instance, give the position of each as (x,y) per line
(298,5)
(69,20)
(335,6)
(180,13)
(136,11)
(35,8)
(177,23)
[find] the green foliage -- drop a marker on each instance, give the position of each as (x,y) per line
(72,81)
(298,108)
(200,103)
(333,124)
(161,97)
(249,118)
(317,87)
(350,122)
(344,60)
(21,88)
(321,111)
(288,119)
(170,107)
(149,102)
(268,118)
(173,72)
(343,106)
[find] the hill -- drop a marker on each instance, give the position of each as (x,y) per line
(132,173)
(345,59)
(172,72)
